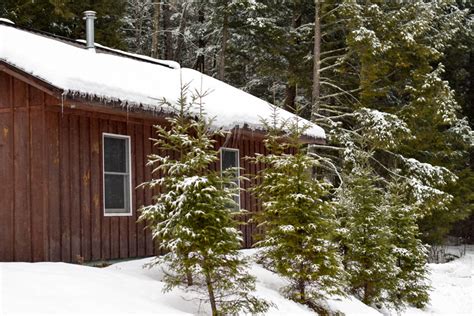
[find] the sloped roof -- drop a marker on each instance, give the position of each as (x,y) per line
(133,80)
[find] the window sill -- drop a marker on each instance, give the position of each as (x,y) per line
(117,214)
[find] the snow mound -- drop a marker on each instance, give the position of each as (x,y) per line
(127,288)
(453,288)
(134,83)
(6,21)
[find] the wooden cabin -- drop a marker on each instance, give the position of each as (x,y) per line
(75,128)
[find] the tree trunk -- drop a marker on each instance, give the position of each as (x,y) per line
(367,299)
(138,38)
(290,91)
(180,40)
(290,96)
(200,60)
(210,291)
(155,37)
(302,292)
(225,35)
(316,60)
(189,277)
(168,51)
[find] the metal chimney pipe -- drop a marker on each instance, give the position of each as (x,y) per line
(89,16)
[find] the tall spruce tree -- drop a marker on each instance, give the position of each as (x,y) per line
(192,217)
(411,287)
(366,237)
(399,47)
(297,217)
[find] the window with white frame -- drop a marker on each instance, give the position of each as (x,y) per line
(230,159)
(117,175)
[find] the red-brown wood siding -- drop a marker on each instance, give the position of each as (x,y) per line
(22,199)
(51,182)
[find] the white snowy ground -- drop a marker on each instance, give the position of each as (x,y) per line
(126,288)
(453,288)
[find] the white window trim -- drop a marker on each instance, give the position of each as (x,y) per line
(238,167)
(129,160)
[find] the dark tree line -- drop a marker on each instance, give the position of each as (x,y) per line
(340,63)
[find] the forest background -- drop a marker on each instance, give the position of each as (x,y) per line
(392,82)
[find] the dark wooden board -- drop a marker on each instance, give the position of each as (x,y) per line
(7,186)
(65,189)
(105,220)
(75,188)
(96,187)
(54,211)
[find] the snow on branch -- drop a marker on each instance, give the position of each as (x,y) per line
(384,130)
(428,173)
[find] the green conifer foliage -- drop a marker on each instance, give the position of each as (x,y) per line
(410,253)
(65,18)
(192,216)
(298,219)
(366,237)
(400,46)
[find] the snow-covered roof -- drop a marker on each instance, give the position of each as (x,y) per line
(133,81)
(6,21)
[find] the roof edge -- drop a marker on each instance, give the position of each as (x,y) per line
(114,104)
(30,79)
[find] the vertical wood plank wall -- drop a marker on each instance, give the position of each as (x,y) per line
(22,203)
(51,206)
(78,229)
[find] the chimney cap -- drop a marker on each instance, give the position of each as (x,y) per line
(89,14)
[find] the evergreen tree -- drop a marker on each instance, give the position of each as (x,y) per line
(138,26)
(383,253)
(399,47)
(65,18)
(410,253)
(192,217)
(298,219)
(366,237)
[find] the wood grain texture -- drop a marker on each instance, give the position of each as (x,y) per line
(54,189)
(37,175)
(7,187)
(96,188)
(53,194)
(75,187)
(105,220)
(65,189)
(22,218)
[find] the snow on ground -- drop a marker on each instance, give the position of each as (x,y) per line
(453,288)
(121,289)
(127,288)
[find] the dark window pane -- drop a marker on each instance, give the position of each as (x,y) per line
(229,159)
(115,190)
(115,154)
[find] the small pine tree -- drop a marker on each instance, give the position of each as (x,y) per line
(366,236)
(298,219)
(409,252)
(192,217)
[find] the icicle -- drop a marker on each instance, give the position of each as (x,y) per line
(62,103)
(127,111)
